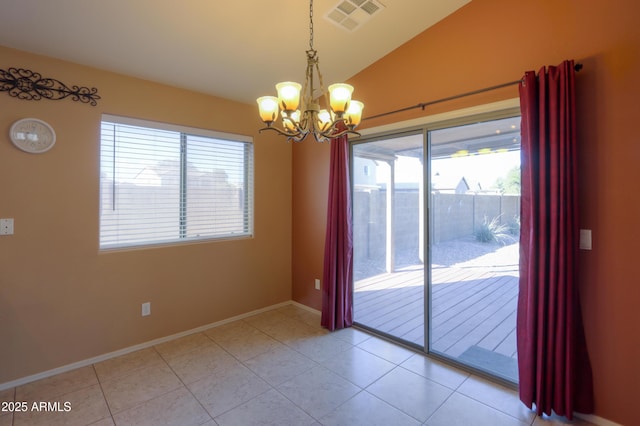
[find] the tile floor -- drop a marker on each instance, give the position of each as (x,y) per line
(275,368)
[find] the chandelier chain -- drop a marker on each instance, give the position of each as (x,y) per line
(311,25)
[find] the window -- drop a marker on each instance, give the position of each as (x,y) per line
(162,184)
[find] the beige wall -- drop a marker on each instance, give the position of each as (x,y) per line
(61,301)
(489,42)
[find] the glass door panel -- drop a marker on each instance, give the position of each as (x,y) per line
(388,233)
(473,231)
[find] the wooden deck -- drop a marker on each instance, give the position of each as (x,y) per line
(474,313)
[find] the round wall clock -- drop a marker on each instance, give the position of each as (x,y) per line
(32,135)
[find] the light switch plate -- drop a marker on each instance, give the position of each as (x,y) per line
(6,226)
(585,239)
(146,309)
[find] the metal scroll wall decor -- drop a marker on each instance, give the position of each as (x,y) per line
(31,86)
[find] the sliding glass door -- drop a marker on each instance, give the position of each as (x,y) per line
(438,269)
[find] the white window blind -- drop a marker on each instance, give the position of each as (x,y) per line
(164,184)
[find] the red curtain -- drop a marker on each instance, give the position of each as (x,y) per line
(337,277)
(554,368)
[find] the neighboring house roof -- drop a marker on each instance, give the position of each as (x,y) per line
(451,184)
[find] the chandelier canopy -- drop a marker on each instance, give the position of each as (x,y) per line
(340,115)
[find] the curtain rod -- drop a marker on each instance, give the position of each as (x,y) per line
(423,105)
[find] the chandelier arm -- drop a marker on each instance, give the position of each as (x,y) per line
(288,134)
(341,133)
(307,118)
(296,138)
(320,137)
(335,122)
(300,125)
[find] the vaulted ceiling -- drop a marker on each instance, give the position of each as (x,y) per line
(233,49)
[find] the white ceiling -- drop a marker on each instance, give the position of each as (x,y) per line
(234,49)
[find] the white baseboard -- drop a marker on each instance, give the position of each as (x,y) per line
(305,307)
(124,351)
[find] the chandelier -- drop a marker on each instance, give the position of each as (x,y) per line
(340,116)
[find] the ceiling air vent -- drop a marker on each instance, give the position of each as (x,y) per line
(352,14)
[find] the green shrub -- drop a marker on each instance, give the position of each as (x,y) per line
(513,227)
(493,231)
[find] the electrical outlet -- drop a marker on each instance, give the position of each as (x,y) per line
(317,284)
(146,309)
